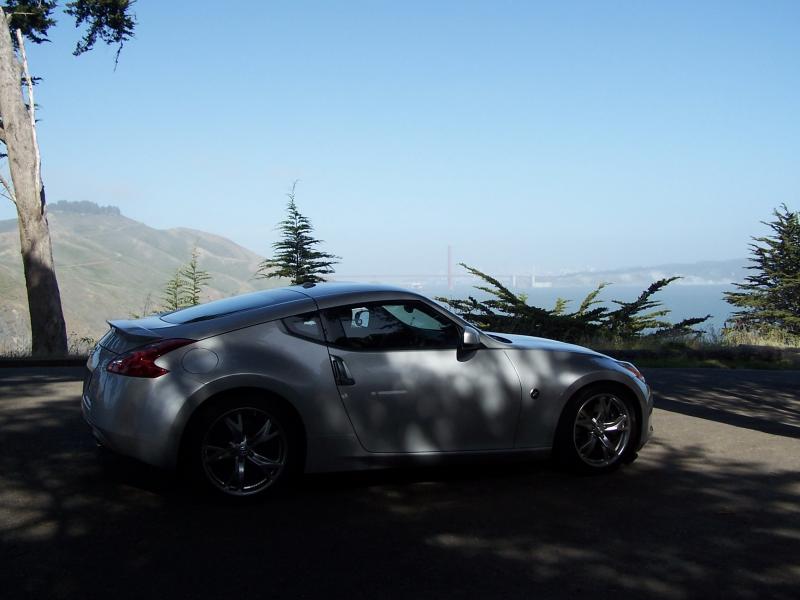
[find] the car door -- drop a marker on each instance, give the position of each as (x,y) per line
(407,387)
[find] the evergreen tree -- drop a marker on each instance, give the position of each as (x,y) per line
(195,279)
(174,295)
(184,288)
(296,257)
(508,312)
(770,297)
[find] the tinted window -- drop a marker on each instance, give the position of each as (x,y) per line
(389,326)
(227,306)
(305,326)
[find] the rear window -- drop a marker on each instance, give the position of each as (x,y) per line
(305,326)
(227,306)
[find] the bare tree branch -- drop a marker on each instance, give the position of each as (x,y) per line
(9,189)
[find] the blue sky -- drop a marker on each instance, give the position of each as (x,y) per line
(554,136)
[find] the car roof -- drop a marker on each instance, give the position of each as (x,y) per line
(343,288)
(216,317)
(333,293)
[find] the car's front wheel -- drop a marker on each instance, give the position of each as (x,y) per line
(243,448)
(597,431)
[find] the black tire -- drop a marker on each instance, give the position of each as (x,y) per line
(243,448)
(597,432)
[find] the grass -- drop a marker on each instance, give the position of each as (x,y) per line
(710,359)
(19,349)
(718,350)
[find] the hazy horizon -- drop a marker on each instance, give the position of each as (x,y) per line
(530,138)
(439,269)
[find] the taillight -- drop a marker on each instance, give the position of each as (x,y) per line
(141,362)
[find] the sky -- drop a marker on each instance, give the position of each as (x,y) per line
(529,136)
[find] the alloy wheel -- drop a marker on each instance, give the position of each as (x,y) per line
(244,451)
(602,430)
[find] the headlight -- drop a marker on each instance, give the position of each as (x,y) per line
(632,368)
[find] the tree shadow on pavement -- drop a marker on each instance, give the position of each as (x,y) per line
(767,402)
(678,523)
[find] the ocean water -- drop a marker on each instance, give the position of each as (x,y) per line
(683,301)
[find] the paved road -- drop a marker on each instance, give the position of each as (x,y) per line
(711,509)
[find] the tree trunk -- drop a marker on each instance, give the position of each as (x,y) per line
(48,331)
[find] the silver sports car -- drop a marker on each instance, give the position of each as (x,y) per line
(245,391)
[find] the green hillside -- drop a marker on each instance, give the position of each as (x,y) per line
(108,265)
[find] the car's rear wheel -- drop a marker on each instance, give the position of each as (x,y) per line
(597,431)
(244,448)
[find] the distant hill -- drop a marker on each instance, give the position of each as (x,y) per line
(707,272)
(108,265)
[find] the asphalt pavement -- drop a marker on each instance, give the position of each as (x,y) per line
(710,509)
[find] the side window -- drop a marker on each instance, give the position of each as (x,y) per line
(305,326)
(411,315)
(390,326)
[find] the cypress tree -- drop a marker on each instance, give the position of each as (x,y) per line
(770,297)
(296,256)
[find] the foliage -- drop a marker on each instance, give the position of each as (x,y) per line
(733,335)
(80,345)
(195,279)
(110,21)
(185,287)
(508,312)
(295,255)
(174,295)
(769,299)
(33,17)
(560,307)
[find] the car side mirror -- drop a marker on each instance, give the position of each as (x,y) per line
(470,339)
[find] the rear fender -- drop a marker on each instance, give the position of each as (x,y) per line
(319,416)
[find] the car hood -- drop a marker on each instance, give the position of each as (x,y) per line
(528,342)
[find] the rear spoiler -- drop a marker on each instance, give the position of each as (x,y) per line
(132,330)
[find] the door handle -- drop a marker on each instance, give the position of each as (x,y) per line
(341,373)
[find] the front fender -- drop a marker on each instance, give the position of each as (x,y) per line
(557,377)
(640,390)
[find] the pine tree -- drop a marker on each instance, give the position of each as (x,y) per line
(194,278)
(174,295)
(295,255)
(184,288)
(770,297)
